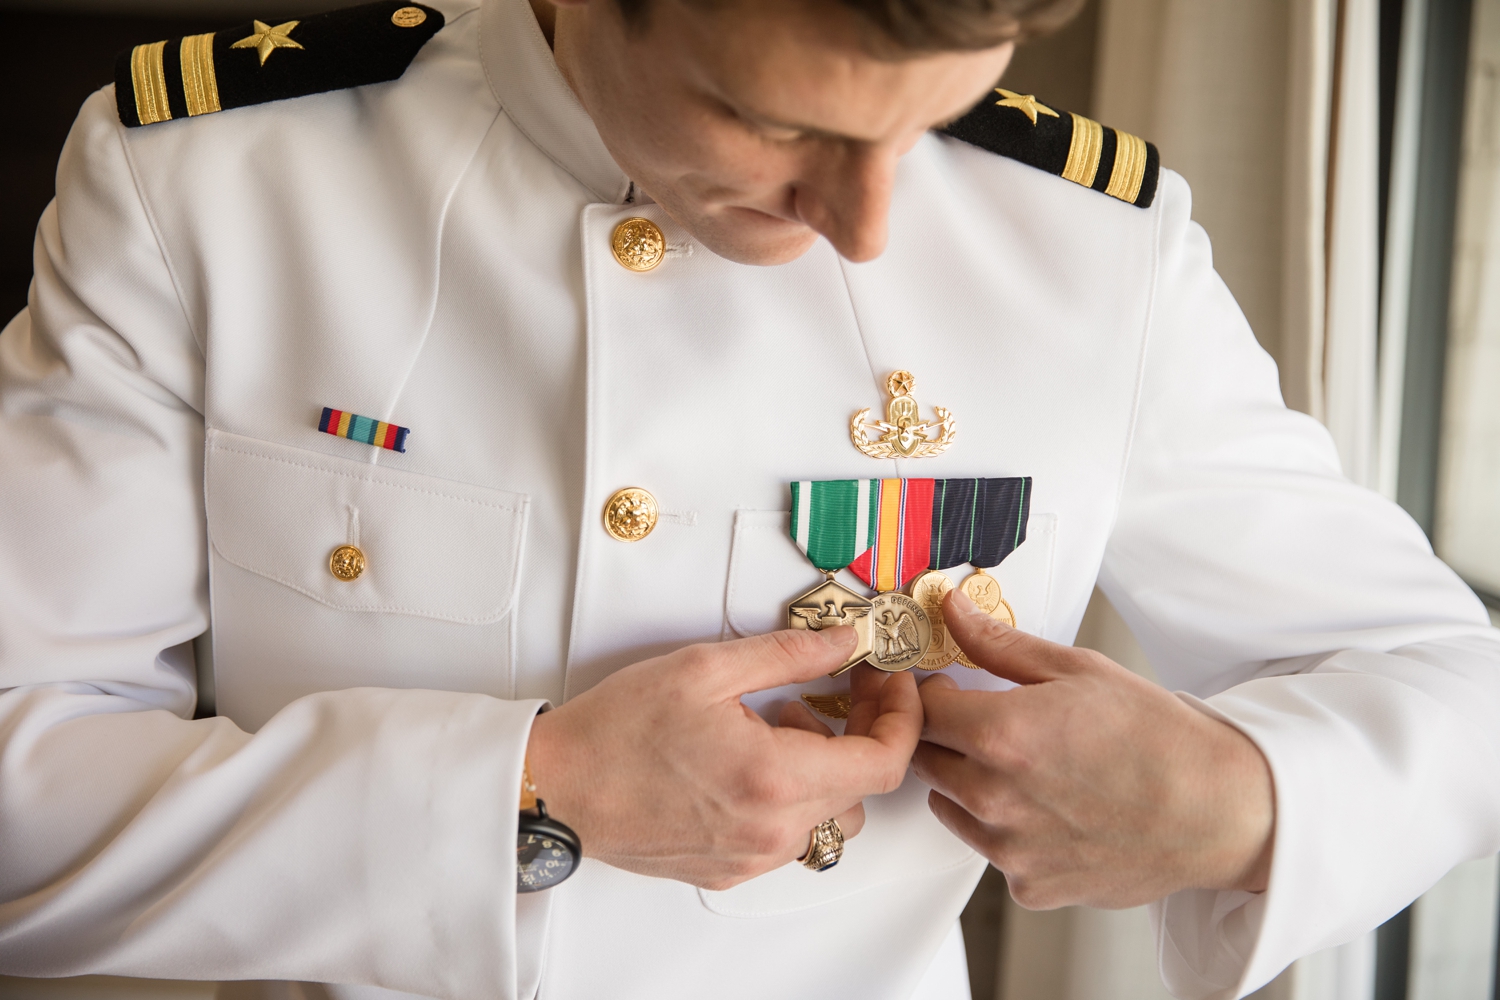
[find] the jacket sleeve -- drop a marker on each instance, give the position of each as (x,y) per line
(360,836)
(1311,614)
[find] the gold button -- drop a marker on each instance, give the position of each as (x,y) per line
(346,563)
(630,514)
(638,244)
(408,17)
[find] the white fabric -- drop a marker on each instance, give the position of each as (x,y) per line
(947,977)
(420,252)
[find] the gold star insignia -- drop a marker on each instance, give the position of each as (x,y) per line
(268,39)
(1025,103)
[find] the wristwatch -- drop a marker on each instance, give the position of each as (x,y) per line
(547,851)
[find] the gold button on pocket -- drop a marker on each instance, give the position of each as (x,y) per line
(408,17)
(638,244)
(630,514)
(346,563)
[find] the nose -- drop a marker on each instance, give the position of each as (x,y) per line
(846,197)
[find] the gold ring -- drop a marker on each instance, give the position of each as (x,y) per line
(825,845)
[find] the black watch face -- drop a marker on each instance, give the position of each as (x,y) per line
(542,861)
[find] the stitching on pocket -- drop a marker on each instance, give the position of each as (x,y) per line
(367,479)
(371,608)
(514,534)
(744,525)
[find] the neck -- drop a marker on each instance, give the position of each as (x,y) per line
(546,17)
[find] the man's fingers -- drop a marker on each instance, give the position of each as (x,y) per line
(777,658)
(951,773)
(961,823)
(872,763)
(865,687)
(1000,649)
(795,715)
(957,719)
(851,821)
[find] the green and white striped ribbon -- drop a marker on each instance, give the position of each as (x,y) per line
(833,521)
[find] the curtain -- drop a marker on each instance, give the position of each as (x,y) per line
(1270,109)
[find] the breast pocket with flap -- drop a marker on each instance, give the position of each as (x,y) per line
(430,607)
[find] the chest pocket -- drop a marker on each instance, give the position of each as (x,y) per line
(430,607)
(901,838)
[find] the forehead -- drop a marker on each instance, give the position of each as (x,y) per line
(812,64)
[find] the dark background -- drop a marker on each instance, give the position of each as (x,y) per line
(53,62)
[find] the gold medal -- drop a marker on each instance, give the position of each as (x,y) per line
(900,632)
(828,605)
(928,590)
(984,591)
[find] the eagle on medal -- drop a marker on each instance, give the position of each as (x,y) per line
(895,636)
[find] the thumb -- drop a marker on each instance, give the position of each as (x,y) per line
(1004,651)
(792,656)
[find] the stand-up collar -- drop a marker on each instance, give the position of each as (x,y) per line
(532,90)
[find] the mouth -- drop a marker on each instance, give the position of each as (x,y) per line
(758,217)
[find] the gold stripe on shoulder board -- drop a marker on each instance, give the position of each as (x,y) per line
(149,78)
(1084,151)
(1129,169)
(200,85)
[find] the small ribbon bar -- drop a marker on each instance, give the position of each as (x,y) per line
(887,531)
(342,423)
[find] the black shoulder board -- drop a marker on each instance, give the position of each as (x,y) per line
(1071,146)
(259,62)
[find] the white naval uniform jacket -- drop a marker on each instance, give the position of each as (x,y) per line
(434,251)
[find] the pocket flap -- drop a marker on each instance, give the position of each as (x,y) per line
(433,548)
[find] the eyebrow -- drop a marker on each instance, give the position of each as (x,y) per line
(756,118)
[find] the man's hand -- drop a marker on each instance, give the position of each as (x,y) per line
(1088,784)
(661,770)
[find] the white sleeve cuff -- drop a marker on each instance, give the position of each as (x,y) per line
(1384,781)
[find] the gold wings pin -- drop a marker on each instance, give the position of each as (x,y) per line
(835,706)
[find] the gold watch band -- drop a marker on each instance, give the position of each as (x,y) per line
(528,787)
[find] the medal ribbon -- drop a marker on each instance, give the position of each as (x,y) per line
(978,521)
(887,531)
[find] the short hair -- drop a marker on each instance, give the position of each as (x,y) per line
(913,27)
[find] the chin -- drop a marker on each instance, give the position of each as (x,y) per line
(764,254)
(752,245)
(753,238)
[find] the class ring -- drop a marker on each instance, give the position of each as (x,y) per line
(825,845)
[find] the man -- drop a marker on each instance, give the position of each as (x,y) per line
(569,482)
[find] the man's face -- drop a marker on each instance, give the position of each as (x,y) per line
(760,124)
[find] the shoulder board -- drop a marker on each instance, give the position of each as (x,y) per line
(259,62)
(1071,146)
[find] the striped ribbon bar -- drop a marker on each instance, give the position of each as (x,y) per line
(342,423)
(887,531)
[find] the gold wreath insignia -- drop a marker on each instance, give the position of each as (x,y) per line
(902,434)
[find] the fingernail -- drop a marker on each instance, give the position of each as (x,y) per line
(961,603)
(839,637)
